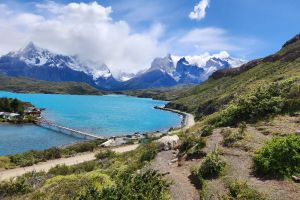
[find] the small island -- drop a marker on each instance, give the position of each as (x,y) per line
(18,112)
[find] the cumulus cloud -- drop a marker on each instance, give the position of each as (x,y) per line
(199,11)
(84,29)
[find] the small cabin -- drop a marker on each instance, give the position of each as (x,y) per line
(9,116)
(32,111)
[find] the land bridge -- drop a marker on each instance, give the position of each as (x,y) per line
(51,125)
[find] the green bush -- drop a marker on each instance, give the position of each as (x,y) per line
(79,168)
(212,166)
(146,186)
(231,137)
(105,154)
(265,101)
(207,130)
(241,190)
(32,157)
(72,186)
(192,146)
(17,187)
(279,157)
(149,153)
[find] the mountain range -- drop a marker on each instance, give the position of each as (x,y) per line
(42,64)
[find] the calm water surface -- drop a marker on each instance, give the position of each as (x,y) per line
(99,115)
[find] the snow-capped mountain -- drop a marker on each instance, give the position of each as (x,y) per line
(39,63)
(123,76)
(172,70)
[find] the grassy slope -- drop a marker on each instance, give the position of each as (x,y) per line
(217,92)
(20,84)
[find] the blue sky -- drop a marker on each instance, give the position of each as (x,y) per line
(245,28)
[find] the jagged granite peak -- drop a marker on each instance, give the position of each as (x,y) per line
(187,73)
(164,64)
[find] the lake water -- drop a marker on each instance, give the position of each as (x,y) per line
(108,115)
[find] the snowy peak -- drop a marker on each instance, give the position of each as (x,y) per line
(35,56)
(165,64)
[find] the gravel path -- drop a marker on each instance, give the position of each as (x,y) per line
(181,187)
(45,166)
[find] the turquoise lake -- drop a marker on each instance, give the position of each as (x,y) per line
(108,115)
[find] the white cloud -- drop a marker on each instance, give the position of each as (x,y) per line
(209,39)
(85,29)
(199,10)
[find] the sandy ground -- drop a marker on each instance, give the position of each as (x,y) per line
(45,166)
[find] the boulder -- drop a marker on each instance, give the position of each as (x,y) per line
(168,142)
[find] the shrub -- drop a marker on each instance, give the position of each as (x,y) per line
(5,163)
(279,157)
(265,101)
(79,168)
(207,130)
(149,185)
(231,137)
(60,170)
(192,146)
(241,190)
(71,186)
(212,166)
(17,187)
(150,152)
(105,154)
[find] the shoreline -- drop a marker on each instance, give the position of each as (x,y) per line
(188,119)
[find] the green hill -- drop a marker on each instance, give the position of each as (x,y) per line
(20,84)
(258,88)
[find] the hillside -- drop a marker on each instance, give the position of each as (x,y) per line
(226,86)
(20,84)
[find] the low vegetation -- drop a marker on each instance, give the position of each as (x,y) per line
(32,157)
(148,185)
(279,157)
(111,176)
(211,168)
(241,190)
(230,137)
(19,84)
(192,146)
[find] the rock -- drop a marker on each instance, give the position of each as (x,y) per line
(168,142)
(174,160)
(296,179)
(297,132)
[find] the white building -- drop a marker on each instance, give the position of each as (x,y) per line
(9,116)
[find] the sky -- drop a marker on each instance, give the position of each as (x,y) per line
(128,34)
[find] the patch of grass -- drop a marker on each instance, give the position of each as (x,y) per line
(192,146)
(74,169)
(105,154)
(212,167)
(231,137)
(71,186)
(241,190)
(5,163)
(148,185)
(207,130)
(278,158)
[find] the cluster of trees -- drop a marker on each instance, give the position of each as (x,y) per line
(11,105)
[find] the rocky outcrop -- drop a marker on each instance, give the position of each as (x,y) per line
(168,142)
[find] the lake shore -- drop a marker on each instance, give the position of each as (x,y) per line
(188,119)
